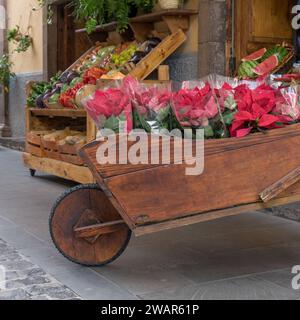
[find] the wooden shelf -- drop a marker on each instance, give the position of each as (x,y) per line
(69,113)
(145,18)
(58,168)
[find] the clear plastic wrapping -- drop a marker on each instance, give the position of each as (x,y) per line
(288,102)
(151,105)
(110,108)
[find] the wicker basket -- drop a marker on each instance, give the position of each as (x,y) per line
(169,4)
(287,64)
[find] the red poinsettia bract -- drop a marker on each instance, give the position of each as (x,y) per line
(255,110)
(111,102)
(193,107)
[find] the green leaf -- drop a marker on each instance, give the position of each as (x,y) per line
(112,123)
(230,103)
(208,132)
(228,118)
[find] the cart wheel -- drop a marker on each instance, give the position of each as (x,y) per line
(32,172)
(83,206)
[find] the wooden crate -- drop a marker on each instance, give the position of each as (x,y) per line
(69,153)
(46,157)
(34,142)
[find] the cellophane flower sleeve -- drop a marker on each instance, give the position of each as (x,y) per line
(288,103)
(110,108)
(151,105)
(195,106)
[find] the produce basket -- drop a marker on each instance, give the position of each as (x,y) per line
(69,153)
(277,59)
(92,224)
(287,64)
(34,142)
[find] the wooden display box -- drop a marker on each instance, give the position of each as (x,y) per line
(47,156)
(67,164)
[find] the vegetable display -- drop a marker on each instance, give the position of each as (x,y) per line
(107,62)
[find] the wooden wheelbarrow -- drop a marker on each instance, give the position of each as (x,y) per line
(92,224)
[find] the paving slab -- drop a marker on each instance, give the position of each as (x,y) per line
(245,288)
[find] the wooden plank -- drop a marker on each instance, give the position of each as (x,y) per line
(158,15)
(164,73)
(159,54)
(141,30)
(212,147)
(278,187)
(99,229)
(70,113)
(146,18)
(34,150)
(218,214)
(58,168)
(91,130)
(175,23)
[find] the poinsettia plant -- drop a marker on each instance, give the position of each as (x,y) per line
(151,105)
(199,107)
(256,111)
(228,109)
(110,108)
(288,102)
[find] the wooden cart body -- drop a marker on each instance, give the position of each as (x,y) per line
(152,198)
(92,224)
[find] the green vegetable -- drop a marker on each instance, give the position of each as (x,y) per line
(65,87)
(36,90)
(103,52)
(120,59)
(40,88)
(75,81)
(54,98)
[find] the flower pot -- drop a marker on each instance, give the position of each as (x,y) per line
(169,4)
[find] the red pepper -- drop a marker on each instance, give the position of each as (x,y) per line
(92,75)
(67,99)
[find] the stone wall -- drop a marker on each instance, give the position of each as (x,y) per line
(183,67)
(17,101)
(212,37)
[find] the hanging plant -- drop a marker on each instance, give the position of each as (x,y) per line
(23,41)
(5,71)
(98,12)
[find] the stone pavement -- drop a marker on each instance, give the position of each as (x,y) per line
(26,281)
(249,256)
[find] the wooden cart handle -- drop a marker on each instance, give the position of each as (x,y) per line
(275,189)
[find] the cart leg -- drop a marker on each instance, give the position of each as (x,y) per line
(32,172)
(86,228)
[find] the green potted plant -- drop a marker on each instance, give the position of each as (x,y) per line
(98,12)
